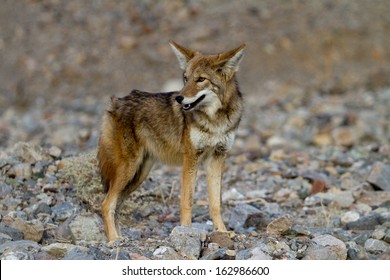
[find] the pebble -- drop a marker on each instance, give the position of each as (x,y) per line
(350,216)
(5,189)
(343,199)
(254,253)
(63,210)
(28,153)
(166,253)
(14,233)
(280,225)
(336,245)
(88,228)
(59,250)
(55,152)
(19,250)
(365,223)
(32,230)
(243,216)
(21,170)
(186,241)
(222,239)
(375,246)
(379,176)
(4,238)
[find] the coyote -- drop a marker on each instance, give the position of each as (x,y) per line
(196,124)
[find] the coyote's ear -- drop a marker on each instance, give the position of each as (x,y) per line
(183,54)
(228,63)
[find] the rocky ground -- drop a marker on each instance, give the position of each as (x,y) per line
(308,178)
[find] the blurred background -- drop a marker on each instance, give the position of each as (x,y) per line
(60,61)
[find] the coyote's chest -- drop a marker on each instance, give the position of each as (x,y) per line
(212,139)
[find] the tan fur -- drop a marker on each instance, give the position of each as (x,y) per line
(194,125)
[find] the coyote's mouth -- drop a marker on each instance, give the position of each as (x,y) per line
(190,106)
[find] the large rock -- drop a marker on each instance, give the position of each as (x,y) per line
(14,233)
(380,176)
(187,241)
(343,199)
(375,246)
(32,230)
(87,227)
(60,250)
(19,250)
(29,153)
(244,215)
(335,245)
(365,223)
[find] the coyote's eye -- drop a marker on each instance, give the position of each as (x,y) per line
(185,78)
(200,79)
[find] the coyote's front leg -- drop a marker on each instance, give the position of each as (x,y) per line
(214,169)
(190,168)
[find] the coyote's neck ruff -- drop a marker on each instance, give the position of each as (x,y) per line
(194,125)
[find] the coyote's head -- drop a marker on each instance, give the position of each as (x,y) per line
(207,78)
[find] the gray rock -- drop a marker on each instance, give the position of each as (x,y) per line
(379,176)
(280,225)
(350,216)
(355,251)
(166,253)
(20,170)
(4,189)
(14,233)
(19,250)
(54,151)
(42,208)
(365,223)
(4,238)
(32,230)
(244,215)
(344,199)
(254,253)
(336,245)
(387,236)
(375,246)
(60,250)
(63,210)
(117,255)
(318,252)
(186,240)
(222,239)
(87,227)
(78,253)
(218,254)
(28,153)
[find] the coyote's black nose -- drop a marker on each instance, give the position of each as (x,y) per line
(179,99)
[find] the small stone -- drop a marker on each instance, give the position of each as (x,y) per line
(213,246)
(42,208)
(254,253)
(280,225)
(379,233)
(55,152)
(88,227)
(355,251)
(59,250)
(78,253)
(344,198)
(4,238)
(28,153)
(336,245)
(14,233)
(63,210)
(344,136)
(365,223)
(4,189)
(20,170)
(118,255)
(387,236)
(317,252)
(379,176)
(218,254)
(350,216)
(222,238)
(244,215)
(232,194)
(374,246)
(18,250)
(186,240)
(32,230)
(166,253)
